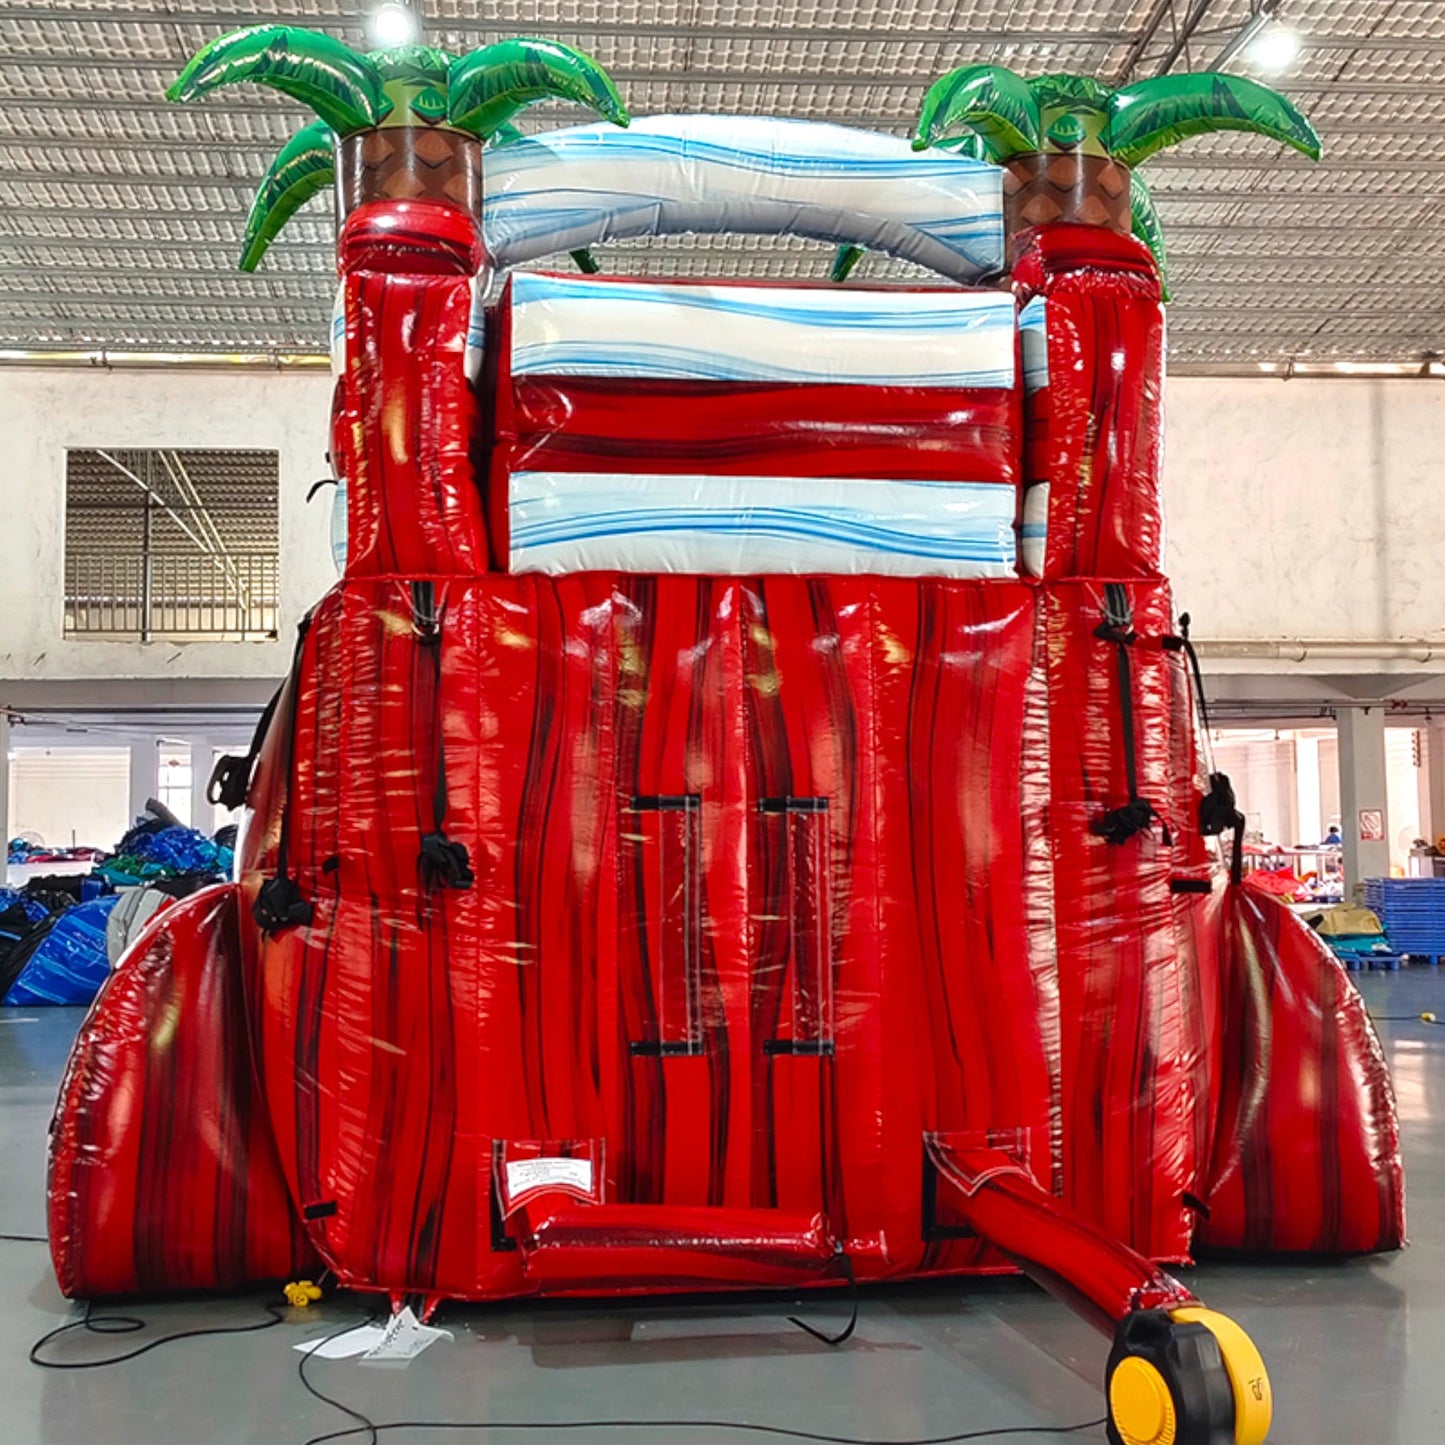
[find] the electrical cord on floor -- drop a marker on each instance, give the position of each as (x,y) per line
(25,1238)
(94,1324)
(846,1333)
(1422,1018)
(372,1430)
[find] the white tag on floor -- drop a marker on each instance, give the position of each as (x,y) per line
(405,1338)
(344,1347)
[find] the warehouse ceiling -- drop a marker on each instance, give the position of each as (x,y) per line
(121,215)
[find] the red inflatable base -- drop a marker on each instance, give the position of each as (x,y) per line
(788,905)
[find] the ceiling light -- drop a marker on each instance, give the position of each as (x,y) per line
(1276,48)
(394,23)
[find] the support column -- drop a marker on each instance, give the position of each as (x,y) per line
(200,776)
(1363,787)
(1432,822)
(1308,806)
(144,775)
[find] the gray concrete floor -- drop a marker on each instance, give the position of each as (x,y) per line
(1356,1348)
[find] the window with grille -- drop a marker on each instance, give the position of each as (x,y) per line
(171,544)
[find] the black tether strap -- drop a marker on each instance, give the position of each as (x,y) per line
(230,779)
(280,903)
(444,863)
(1218,808)
(1121,824)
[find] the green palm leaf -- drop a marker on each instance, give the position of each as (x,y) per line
(991,101)
(304,166)
(342,87)
(489,86)
(1146,117)
(845,258)
(1144,220)
(1065,89)
(505,134)
(413,64)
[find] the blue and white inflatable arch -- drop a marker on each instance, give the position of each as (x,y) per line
(755,175)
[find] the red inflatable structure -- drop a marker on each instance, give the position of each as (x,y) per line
(609,929)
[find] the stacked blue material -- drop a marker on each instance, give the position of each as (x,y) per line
(34,910)
(1412,911)
(71,962)
(166,853)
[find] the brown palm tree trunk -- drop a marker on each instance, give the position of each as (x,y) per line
(1044,187)
(409,163)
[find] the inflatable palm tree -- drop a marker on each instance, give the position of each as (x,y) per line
(407,123)
(1069,145)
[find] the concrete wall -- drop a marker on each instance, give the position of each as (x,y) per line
(1308,508)
(44,412)
(1261,765)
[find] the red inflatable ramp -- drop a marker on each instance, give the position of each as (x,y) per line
(622,1247)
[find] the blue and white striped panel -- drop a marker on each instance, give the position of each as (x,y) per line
(573,326)
(1034,530)
(731,526)
(338,331)
(1034,343)
(758,175)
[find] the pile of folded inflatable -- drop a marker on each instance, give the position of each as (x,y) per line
(61,934)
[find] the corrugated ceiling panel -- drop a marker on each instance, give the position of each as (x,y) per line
(106,191)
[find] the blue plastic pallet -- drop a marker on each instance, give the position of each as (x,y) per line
(1412,911)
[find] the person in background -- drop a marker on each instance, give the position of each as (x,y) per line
(1333,838)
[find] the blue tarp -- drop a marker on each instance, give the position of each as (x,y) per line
(71,963)
(170,851)
(35,911)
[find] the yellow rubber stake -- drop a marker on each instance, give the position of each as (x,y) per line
(301,1292)
(1253,1397)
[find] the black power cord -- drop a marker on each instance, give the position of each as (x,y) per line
(25,1238)
(372,1430)
(94,1324)
(846,1333)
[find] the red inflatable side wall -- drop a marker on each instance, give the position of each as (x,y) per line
(163,1172)
(1308,1153)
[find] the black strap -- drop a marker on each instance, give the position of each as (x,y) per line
(1236,861)
(1136,816)
(230,779)
(280,903)
(443,862)
(1219,810)
(1201,698)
